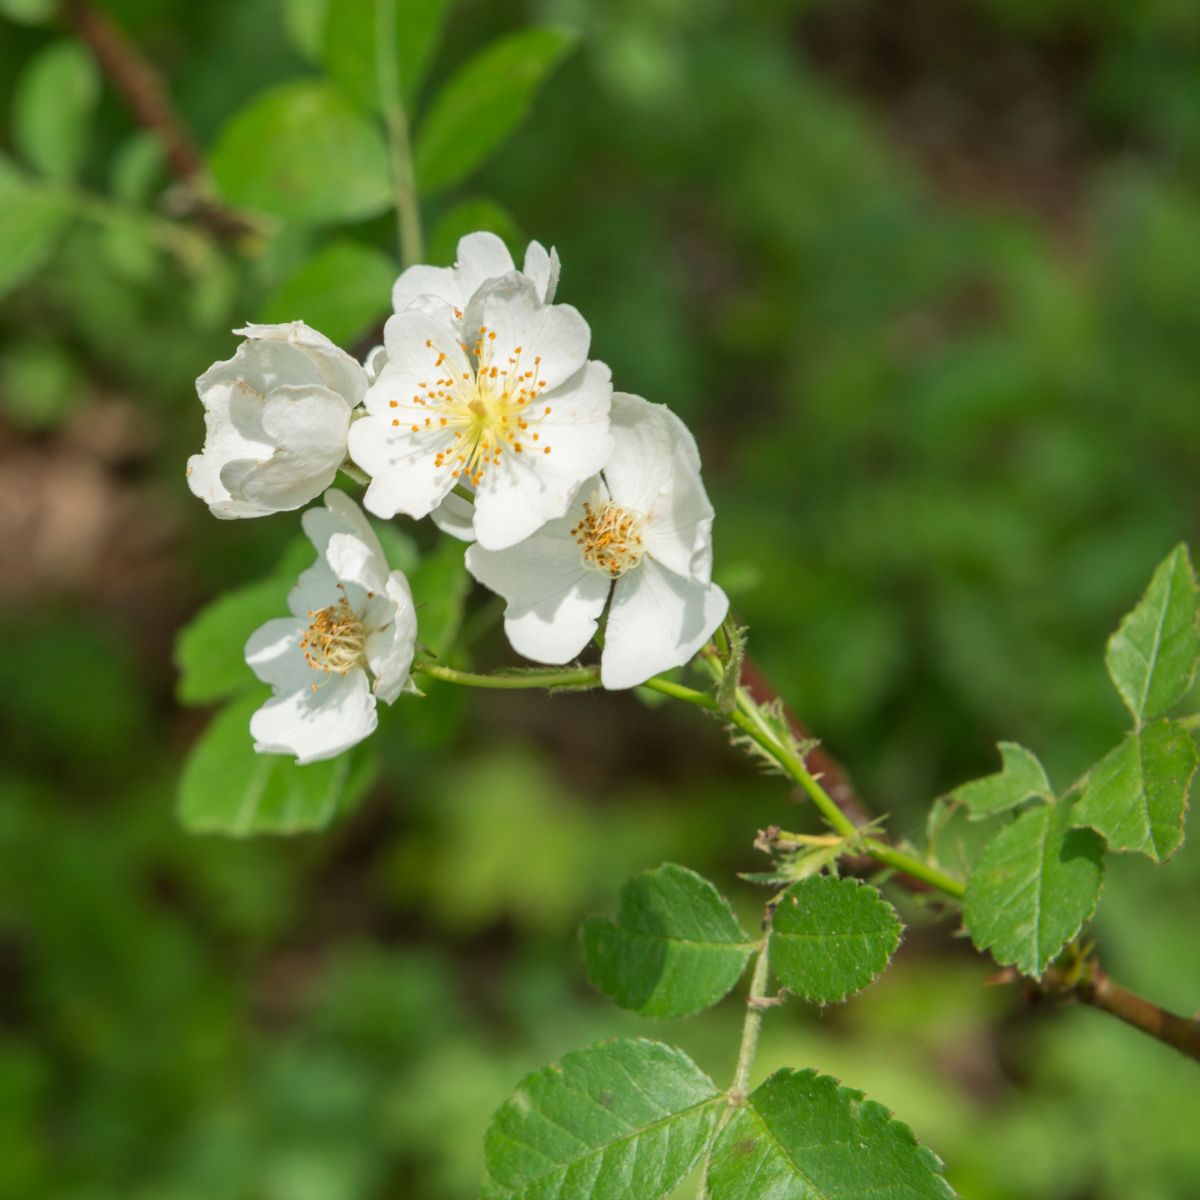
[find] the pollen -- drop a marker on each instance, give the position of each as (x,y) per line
(609,537)
(335,641)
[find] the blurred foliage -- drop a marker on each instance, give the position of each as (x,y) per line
(923,276)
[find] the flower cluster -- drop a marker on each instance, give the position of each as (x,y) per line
(482,411)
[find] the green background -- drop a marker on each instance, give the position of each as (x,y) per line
(924,277)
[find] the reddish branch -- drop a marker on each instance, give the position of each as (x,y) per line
(143,91)
(1092,987)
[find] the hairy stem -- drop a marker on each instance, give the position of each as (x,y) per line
(391,100)
(756,1003)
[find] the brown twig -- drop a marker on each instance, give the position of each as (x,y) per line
(142,90)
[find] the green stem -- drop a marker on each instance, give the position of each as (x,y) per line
(571,677)
(391,99)
(752,1025)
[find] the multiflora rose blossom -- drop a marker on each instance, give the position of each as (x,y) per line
(642,532)
(505,403)
(276,417)
(348,643)
(481,256)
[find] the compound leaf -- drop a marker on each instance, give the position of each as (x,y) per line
(831,937)
(675,947)
(623,1120)
(802,1136)
(1021,777)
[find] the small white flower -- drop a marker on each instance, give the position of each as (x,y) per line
(481,256)
(348,643)
(644,533)
(276,417)
(515,410)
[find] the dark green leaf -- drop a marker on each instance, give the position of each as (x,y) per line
(674,949)
(52,108)
(831,937)
(1153,654)
(440,584)
(227,788)
(801,1136)
(343,290)
(1020,778)
(468,217)
(302,152)
(350,44)
(1033,888)
(624,1120)
(1136,796)
(483,103)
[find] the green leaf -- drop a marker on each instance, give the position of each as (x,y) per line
(466,218)
(136,168)
(483,103)
(674,949)
(831,937)
(1152,656)
(624,1120)
(33,219)
(1136,797)
(227,788)
(29,12)
(1033,888)
(343,290)
(302,152)
(52,108)
(801,1136)
(440,585)
(349,45)
(1020,778)
(304,23)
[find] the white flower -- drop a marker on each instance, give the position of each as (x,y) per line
(644,533)
(349,641)
(516,411)
(481,256)
(276,417)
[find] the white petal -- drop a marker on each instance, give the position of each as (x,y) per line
(532,487)
(345,540)
(375,361)
(511,308)
(339,371)
(554,600)
(273,653)
(415,341)
(317,588)
(308,425)
(425,281)
(405,476)
(393,639)
(658,620)
(456,517)
(543,269)
(204,479)
(481,256)
(315,725)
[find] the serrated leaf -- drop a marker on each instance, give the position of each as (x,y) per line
(1152,656)
(34,218)
(440,585)
(343,290)
(350,44)
(675,947)
(801,1136)
(483,103)
(468,217)
(1136,796)
(1033,888)
(831,937)
(1020,778)
(624,1120)
(227,788)
(210,649)
(303,152)
(52,108)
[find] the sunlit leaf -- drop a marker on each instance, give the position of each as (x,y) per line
(483,103)
(801,1136)
(831,937)
(624,1120)
(675,947)
(1152,656)
(1033,888)
(1136,796)
(52,108)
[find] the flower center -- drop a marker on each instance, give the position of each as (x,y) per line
(335,640)
(491,410)
(610,537)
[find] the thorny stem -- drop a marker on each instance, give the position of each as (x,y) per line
(391,100)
